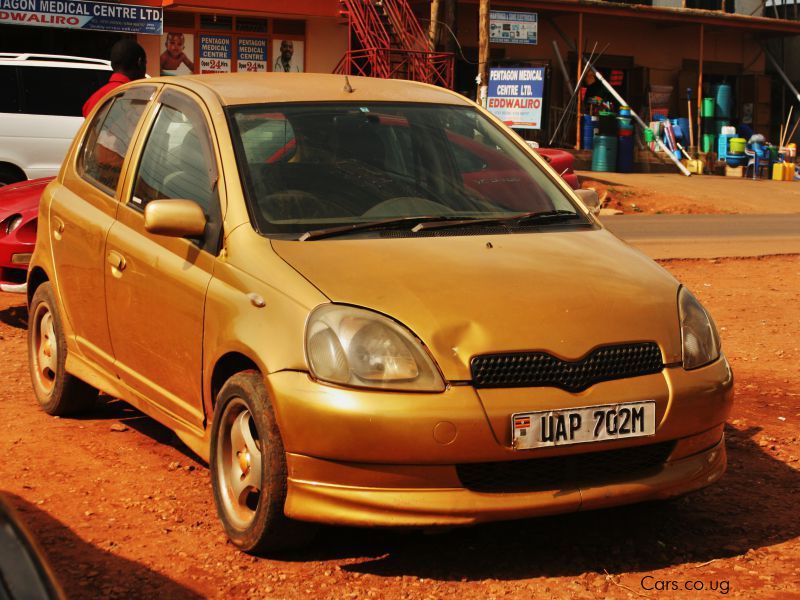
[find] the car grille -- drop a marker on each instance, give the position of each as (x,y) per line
(559,472)
(537,369)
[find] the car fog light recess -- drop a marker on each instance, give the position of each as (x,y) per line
(699,336)
(11,223)
(360,348)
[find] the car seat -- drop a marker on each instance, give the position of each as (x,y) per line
(192,179)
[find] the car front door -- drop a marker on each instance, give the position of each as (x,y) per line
(82,210)
(156,285)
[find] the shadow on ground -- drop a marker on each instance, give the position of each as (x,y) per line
(86,571)
(15,316)
(726,519)
(112,409)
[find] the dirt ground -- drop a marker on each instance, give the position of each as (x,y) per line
(640,193)
(129,513)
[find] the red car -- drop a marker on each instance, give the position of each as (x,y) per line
(563,163)
(19,213)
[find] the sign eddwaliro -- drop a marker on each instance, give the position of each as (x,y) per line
(515,96)
(81,14)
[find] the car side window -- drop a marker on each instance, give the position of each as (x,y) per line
(74,87)
(109,137)
(9,98)
(178,161)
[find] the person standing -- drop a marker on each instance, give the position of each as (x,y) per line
(129,62)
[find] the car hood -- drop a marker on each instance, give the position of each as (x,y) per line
(561,292)
(22,197)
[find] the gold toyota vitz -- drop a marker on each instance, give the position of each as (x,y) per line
(365,302)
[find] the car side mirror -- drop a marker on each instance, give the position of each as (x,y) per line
(590,199)
(175,218)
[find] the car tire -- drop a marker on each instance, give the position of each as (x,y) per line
(9,176)
(59,393)
(248,469)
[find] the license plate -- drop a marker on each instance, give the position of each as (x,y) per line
(580,425)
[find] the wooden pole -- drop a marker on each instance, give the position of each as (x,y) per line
(433,30)
(450,19)
(700,88)
(483,51)
(578,78)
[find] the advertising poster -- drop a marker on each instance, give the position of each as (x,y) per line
(287,56)
(215,54)
(515,96)
(177,56)
(251,55)
(513,27)
(78,14)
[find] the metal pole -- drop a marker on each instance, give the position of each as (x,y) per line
(782,73)
(562,68)
(619,99)
(580,70)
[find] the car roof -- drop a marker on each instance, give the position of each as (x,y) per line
(257,88)
(54,60)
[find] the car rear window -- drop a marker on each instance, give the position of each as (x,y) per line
(58,91)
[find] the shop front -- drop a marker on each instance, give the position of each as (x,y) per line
(196,36)
(204,36)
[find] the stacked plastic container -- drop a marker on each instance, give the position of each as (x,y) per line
(625,141)
(725,135)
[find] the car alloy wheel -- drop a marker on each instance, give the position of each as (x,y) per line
(58,392)
(45,348)
(248,469)
(239,464)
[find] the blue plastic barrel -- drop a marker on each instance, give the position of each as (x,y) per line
(625,154)
(604,156)
(587,132)
(723,99)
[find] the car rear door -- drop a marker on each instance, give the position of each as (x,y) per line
(82,210)
(156,289)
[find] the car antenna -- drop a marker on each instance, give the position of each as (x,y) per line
(347,87)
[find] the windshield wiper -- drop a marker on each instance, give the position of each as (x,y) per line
(316,234)
(544,216)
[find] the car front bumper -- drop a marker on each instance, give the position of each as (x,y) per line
(392,496)
(391,459)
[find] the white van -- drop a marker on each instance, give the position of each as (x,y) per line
(40,110)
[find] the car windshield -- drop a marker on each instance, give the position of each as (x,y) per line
(321,168)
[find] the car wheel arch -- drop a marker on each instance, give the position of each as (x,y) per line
(36,277)
(12,172)
(227,366)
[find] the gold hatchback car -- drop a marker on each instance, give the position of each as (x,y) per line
(364,302)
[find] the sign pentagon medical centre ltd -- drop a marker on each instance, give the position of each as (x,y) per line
(79,14)
(515,96)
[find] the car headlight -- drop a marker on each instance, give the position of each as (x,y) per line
(11,223)
(357,347)
(699,336)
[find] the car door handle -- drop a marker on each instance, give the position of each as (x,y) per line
(58,228)
(117,262)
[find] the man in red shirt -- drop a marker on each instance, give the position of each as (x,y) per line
(129,62)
